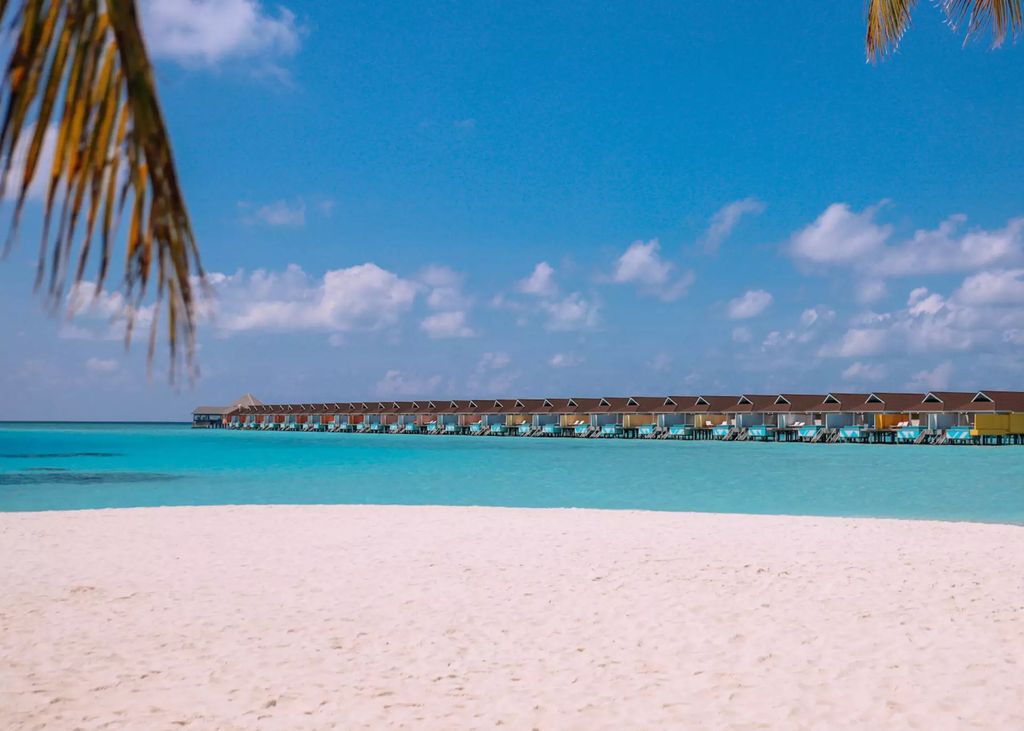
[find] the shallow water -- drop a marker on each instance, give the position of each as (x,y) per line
(73,466)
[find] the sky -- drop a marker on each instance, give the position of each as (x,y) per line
(483,199)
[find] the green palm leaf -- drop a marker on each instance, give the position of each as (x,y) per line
(82,65)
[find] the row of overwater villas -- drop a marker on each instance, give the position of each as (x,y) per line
(986,417)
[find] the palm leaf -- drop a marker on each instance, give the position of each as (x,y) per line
(82,66)
(888,20)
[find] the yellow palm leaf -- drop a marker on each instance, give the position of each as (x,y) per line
(888,20)
(82,66)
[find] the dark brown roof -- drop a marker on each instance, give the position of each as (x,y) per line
(715,404)
(892,402)
(754,403)
(796,402)
(946,401)
(997,401)
(834,402)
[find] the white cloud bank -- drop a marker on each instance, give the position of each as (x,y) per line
(843,237)
(358,298)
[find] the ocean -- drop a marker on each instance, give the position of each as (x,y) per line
(81,466)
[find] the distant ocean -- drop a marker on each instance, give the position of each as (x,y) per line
(75,466)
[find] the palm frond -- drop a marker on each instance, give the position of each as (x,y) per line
(888,20)
(1002,16)
(81,66)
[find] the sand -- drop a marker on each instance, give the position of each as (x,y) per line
(371,617)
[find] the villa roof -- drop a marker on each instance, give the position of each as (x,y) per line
(680,404)
(892,402)
(997,401)
(841,401)
(237,406)
(947,400)
(754,403)
(715,404)
(796,402)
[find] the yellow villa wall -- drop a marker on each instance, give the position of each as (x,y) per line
(999,424)
(516,419)
(571,419)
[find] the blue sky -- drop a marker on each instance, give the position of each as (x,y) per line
(475,199)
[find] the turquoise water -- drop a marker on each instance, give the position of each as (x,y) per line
(64,467)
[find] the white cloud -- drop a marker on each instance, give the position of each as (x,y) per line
(101,365)
(936,379)
(451,324)
(565,360)
(945,250)
(445,296)
(864,372)
(726,219)
(923,302)
(742,335)
(101,315)
(858,342)
(206,32)
(750,304)
(870,290)
(494,361)
(541,281)
(573,312)
(813,316)
(444,288)
(278,213)
(840,235)
(999,286)
(394,383)
(358,298)
(642,265)
(493,374)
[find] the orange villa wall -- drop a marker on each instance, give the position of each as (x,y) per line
(889,421)
(631,421)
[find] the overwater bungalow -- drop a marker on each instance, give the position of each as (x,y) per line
(545,418)
(589,412)
(677,416)
(640,415)
(608,416)
(942,411)
(841,417)
(752,417)
(797,416)
(896,417)
(996,417)
(711,417)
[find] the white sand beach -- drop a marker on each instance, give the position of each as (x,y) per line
(370,617)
